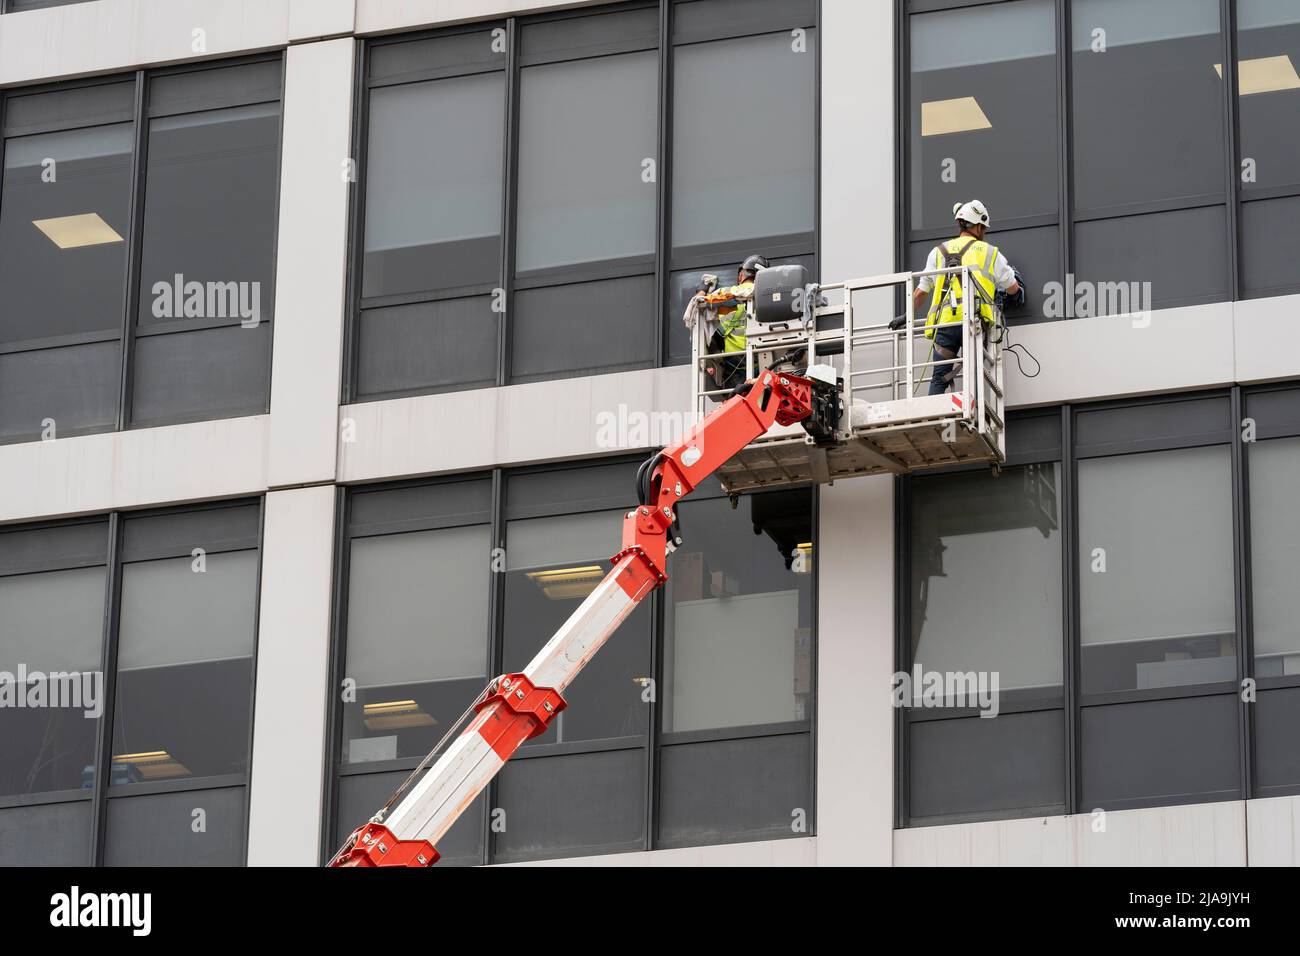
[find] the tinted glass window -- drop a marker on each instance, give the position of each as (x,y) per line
(1275,547)
(52,593)
(583,197)
(185,667)
(738,610)
(1148,104)
(417,638)
(552,565)
(984,116)
(1156,570)
(433,185)
(974,536)
(1268,105)
(768,191)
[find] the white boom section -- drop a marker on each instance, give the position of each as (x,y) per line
(436,800)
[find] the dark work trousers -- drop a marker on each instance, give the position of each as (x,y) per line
(947,344)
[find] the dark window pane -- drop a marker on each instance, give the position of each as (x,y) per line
(51,631)
(75,387)
(221,372)
(690,19)
(56,834)
(433,185)
(734,791)
(209,216)
(457,51)
(1148,112)
(551,491)
(583,329)
(211,89)
(443,503)
(1275,552)
(428,347)
(738,612)
(1277,758)
(574,805)
(360,795)
(583,197)
(1268,110)
(161,829)
(572,37)
(1160,752)
(973,536)
(1155,570)
(984,119)
(683,285)
(735,176)
(552,564)
(177,533)
(1117,256)
(1100,431)
(1270,247)
(64,221)
(103,103)
(417,638)
(46,549)
(989,767)
(185,667)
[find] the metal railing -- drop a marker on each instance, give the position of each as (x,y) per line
(884,373)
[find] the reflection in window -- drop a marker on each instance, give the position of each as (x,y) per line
(738,613)
(1275,548)
(433,186)
(724,190)
(184,667)
(1268,57)
(552,564)
(417,632)
(977,541)
(984,114)
(51,623)
(64,222)
(1156,570)
(1148,104)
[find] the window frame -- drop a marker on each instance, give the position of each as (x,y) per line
(129,329)
(100,794)
(1239,400)
(659,266)
(335,770)
(1068,217)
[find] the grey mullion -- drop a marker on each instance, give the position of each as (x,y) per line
(334,768)
(1228,38)
(103,760)
(135,250)
(1071,626)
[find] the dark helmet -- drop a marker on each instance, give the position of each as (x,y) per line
(752,264)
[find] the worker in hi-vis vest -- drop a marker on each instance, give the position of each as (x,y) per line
(732,306)
(989,268)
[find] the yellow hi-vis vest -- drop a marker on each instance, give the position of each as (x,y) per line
(733,314)
(945,308)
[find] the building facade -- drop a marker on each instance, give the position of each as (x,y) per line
(332,333)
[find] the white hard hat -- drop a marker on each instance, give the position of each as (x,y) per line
(972,212)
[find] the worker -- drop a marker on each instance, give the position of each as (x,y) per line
(989,268)
(732,306)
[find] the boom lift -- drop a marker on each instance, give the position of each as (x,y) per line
(786,423)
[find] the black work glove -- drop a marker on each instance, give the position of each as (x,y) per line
(1017,300)
(897,323)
